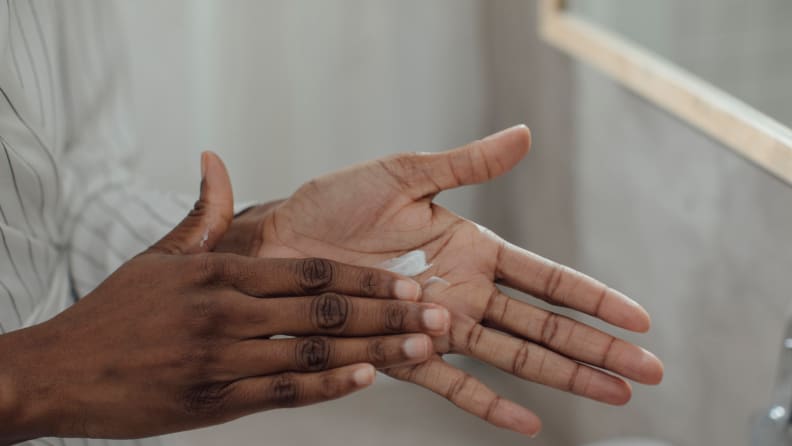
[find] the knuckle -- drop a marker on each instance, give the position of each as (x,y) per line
(368,283)
(473,338)
(478,164)
(284,390)
(208,268)
(408,373)
(315,274)
(574,378)
(457,387)
(330,311)
(196,362)
(553,282)
(200,206)
(205,400)
(493,404)
(377,351)
(395,316)
(549,332)
(203,307)
(520,359)
(205,314)
(331,387)
(313,354)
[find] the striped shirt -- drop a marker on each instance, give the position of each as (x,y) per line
(71,208)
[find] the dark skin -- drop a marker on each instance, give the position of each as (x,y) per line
(381,209)
(179,337)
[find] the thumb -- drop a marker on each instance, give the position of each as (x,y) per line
(209,218)
(426,174)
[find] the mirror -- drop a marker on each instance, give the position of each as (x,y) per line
(724,66)
(743,48)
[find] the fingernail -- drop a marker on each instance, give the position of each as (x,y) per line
(495,135)
(203,165)
(436,319)
(415,347)
(407,289)
(363,376)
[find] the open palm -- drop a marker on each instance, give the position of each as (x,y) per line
(383,209)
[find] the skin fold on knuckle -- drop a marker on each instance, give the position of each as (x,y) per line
(331,387)
(369,283)
(313,354)
(395,316)
(314,274)
(205,400)
(284,391)
(198,362)
(205,318)
(213,269)
(377,352)
(330,312)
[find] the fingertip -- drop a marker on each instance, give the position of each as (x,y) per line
(608,389)
(407,289)
(509,146)
(512,416)
(620,394)
(418,347)
(436,319)
(653,369)
(526,135)
(363,375)
(642,320)
(638,322)
(626,313)
(212,164)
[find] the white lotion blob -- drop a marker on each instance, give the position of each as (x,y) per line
(410,264)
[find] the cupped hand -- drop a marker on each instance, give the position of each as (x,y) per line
(382,209)
(179,338)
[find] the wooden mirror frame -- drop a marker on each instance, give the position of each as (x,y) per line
(748,131)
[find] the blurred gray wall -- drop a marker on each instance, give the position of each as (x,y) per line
(286,90)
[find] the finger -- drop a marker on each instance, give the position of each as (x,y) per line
(563,286)
(210,217)
(338,315)
(261,277)
(469,394)
(538,364)
(573,339)
(313,354)
(423,174)
(297,389)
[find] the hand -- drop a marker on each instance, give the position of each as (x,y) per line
(177,338)
(382,209)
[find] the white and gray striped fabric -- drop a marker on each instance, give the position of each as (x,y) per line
(71,209)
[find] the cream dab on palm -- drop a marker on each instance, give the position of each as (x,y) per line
(411,264)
